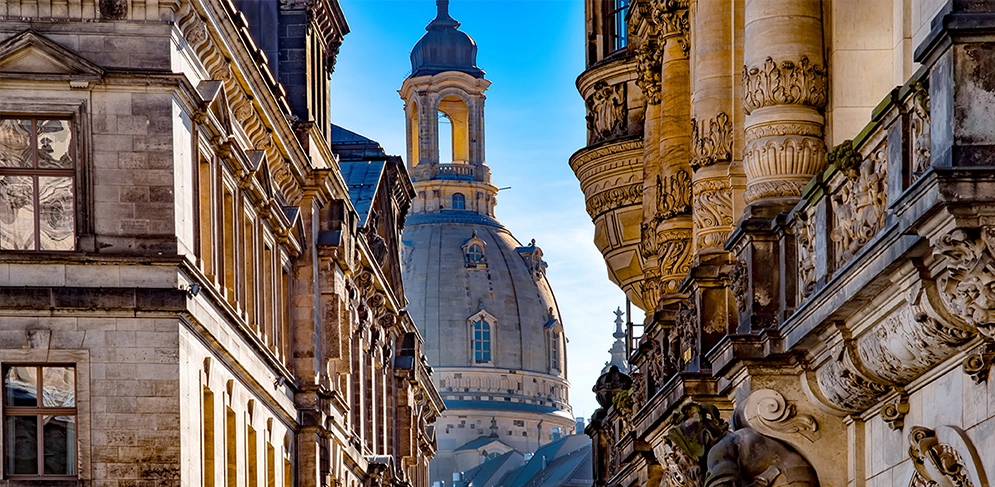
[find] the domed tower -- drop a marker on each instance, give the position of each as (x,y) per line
(480,298)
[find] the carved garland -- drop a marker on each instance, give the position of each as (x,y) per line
(784,83)
(711,141)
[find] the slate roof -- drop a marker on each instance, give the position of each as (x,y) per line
(568,463)
(363,179)
(350,146)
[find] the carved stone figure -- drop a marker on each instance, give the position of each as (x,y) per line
(860,205)
(805,238)
(967,289)
(741,458)
(606,111)
(687,331)
(919,130)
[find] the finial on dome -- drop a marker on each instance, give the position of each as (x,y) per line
(442,19)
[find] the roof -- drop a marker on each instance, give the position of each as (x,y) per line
(444,48)
(479,442)
(491,472)
(363,179)
(351,146)
(564,462)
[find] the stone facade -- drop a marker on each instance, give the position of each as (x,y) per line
(813,232)
(183,272)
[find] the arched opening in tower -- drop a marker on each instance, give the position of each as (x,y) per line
(454,110)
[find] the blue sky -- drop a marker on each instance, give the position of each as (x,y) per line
(532,51)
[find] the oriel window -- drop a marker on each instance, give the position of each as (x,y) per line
(37,184)
(39,420)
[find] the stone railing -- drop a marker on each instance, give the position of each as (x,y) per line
(847,206)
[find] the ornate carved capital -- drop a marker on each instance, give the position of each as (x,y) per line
(711,141)
(606,111)
(784,83)
(766,409)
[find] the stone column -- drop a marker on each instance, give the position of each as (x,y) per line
(784,91)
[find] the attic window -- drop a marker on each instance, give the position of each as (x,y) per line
(473,253)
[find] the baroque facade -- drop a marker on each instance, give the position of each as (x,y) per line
(799,195)
(199,274)
(493,331)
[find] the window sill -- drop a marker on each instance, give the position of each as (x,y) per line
(41,482)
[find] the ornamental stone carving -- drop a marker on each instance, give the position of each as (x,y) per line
(113,9)
(944,457)
(845,387)
(919,130)
(766,409)
(711,141)
(860,204)
(736,458)
(739,283)
(606,111)
(778,167)
(671,17)
(805,234)
(649,62)
(784,83)
(673,195)
(679,468)
(686,323)
(978,365)
(614,198)
(967,288)
(712,213)
(675,259)
(894,412)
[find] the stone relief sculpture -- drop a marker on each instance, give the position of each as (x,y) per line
(944,457)
(614,198)
(860,205)
(966,288)
(649,59)
(894,412)
(606,111)
(978,364)
(687,330)
(712,208)
(738,283)
(739,458)
(784,83)
(805,238)
(711,141)
(767,409)
(919,130)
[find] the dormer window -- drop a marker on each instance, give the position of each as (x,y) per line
(473,253)
(459,201)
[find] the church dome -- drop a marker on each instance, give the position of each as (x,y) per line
(444,48)
(461,267)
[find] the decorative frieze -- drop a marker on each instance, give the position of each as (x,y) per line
(784,83)
(606,111)
(860,204)
(711,141)
(615,198)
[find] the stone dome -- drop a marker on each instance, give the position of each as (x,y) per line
(444,48)
(448,291)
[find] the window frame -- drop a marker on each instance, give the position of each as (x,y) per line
(616,27)
(461,199)
(484,340)
(35,172)
(39,411)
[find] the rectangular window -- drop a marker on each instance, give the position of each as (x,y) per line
(37,184)
(231,452)
(251,458)
(618,35)
(39,420)
(208,438)
(481,342)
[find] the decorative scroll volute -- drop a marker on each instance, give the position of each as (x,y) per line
(945,457)
(769,413)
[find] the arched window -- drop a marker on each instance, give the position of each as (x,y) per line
(459,201)
(481,342)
